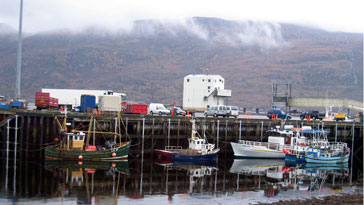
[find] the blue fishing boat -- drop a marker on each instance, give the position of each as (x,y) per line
(327,157)
(198,149)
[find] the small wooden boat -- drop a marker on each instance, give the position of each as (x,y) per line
(75,146)
(74,150)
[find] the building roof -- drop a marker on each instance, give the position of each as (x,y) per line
(202,75)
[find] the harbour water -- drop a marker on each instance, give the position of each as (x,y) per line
(149,180)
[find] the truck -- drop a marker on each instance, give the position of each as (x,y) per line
(45,101)
(312,114)
(340,116)
(110,103)
(88,103)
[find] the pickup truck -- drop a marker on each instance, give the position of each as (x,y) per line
(313,114)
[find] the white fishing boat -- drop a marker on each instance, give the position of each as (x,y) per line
(273,149)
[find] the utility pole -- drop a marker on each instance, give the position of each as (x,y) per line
(18,67)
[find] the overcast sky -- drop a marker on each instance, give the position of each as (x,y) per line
(46,15)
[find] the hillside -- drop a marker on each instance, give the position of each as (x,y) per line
(149,62)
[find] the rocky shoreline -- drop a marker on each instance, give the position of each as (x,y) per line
(356,198)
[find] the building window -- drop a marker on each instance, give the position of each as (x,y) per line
(209,80)
(188,80)
(208,87)
(203,80)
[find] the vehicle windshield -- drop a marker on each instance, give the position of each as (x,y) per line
(234,108)
(160,107)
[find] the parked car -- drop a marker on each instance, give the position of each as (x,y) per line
(177,110)
(278,112)
(216,110)
(158,108)
(232,111)
(313,114)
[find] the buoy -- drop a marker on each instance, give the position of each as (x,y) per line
(80,157)
(113,164)
(113,154)
(56,139)
(80,162)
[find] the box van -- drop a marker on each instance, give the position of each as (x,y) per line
(232,111)
(216,110)
(278,112)
(158,108)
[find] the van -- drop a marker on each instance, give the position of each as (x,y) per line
(216,110)
(232,111)
(275,112)
(158,108)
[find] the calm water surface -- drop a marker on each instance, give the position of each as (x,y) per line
(156,181)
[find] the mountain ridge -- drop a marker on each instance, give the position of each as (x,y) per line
(149,62)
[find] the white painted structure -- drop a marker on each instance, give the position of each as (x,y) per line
(202,91)
(110,102)
(73,96)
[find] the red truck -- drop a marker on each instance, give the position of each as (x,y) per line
(44,101)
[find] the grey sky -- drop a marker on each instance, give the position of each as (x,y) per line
(46,15)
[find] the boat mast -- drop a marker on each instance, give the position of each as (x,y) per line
(89,130)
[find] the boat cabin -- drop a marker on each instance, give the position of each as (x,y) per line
(196,143)
(77,140)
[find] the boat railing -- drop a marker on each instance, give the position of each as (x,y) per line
(173,147)
(269,145)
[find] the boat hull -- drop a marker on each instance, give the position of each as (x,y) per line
(246,151)
(328,160)
(56,153)
(295,158)
(163,153)
(195,157)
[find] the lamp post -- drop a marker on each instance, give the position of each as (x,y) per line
(18,67)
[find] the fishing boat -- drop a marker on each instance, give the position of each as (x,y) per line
(318,149)
(75,150)
(75,146)
(329,156)
(198,150)
(315,140)
(278,139)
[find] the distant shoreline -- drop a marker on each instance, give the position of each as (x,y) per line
(352,198)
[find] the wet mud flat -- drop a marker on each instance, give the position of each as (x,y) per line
(356,198)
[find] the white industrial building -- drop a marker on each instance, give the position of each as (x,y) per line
(202,91)
(72,97)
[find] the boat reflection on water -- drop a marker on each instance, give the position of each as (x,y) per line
(195,171)
(87,180)
(284,182)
